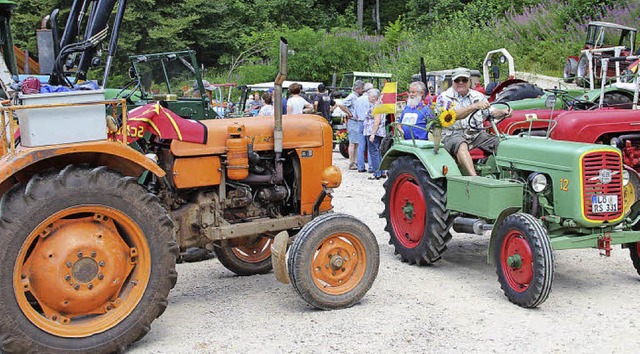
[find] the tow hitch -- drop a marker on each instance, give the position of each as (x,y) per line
(604,244)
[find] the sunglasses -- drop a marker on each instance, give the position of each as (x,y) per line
(461,80)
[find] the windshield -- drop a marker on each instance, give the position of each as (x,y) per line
(166,74)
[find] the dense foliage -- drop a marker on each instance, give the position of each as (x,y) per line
(236,40)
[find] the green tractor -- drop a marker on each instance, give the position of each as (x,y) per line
(536,195)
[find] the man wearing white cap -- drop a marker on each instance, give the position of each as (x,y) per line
(465,135)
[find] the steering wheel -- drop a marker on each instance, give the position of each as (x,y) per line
(127,86)
(569,101)
(496,119)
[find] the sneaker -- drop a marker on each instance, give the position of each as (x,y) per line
(353,166)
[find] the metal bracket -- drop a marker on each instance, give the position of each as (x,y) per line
(604,244)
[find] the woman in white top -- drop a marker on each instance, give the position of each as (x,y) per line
(296,104)
(267,105)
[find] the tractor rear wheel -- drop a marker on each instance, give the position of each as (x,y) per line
(634,252)
(415,209)
(524,260)
(333,261)
(583,74)
(519,91)
(570,68)
(247,257)
(343,146)
(87,259)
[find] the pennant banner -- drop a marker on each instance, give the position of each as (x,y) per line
(388,105)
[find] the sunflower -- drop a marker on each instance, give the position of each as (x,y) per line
(447,118)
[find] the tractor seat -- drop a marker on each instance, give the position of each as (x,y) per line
(477,154)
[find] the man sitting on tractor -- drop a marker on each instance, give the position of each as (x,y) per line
(467,132)
(416,112)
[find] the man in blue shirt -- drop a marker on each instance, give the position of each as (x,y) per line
(415,113)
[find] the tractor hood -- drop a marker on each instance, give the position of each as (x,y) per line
(541,154)
(300,131)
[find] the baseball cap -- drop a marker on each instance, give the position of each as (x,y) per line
(461,72)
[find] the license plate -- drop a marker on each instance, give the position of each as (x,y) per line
(604,203)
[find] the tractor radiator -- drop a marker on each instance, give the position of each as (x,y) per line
(602,186)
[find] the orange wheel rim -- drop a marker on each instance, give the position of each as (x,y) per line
(82,271)
(339,263)
(255,251)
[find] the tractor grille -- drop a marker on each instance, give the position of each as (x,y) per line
(592,164)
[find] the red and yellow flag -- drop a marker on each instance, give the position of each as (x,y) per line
(634,66)
(388,105)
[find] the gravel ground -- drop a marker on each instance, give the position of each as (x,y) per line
(453,306)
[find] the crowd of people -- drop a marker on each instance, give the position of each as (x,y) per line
(366,130)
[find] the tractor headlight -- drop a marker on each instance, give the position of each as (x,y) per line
(503,59)
(489,63)
(625,177)
(616,142)
(550,101)
(538,182)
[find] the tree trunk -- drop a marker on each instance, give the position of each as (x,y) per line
(360,13)
(378,15)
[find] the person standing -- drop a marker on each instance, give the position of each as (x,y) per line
(267,105)
(467,132)
(374,131)
(296,104)
(352,124)
(323,103)
(361,109)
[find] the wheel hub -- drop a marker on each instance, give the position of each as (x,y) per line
(407,209)
(78,267)
(336,262)
(515,261)
(85,270)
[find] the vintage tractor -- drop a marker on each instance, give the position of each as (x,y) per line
(536,195)
(604,40)
(90,228)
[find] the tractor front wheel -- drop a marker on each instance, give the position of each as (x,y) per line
(634,252)
(415,209)
(570,68)
(524,260)
(87,259)
(247,256)
(333,261)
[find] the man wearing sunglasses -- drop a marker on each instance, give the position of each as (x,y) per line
(471,108)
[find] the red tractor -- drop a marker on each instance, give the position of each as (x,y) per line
(604,40)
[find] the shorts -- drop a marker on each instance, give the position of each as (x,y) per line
(355,130)
(483,141)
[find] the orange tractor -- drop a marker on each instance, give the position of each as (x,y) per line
(90,230)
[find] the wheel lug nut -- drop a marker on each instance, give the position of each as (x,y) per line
(100,276)
(69,264)
(77,287)
(79,254)
(93,254)
(67,277)
(90,286)
(101,263)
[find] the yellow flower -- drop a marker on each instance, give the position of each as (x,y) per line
(447,118)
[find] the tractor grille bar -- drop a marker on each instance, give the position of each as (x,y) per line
(595,170)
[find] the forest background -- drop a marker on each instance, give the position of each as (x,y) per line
(236,40)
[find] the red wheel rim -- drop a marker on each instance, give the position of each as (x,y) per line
(517,261)
(408,210)
(255,251)
(638,248)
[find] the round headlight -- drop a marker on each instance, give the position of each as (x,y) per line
(503,59)
(489,62)
(625,177)
(538,182)
(616,142)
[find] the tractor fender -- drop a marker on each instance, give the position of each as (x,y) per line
(21,165)
(494,232)
(434,163)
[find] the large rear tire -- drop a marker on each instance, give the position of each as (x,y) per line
(333,261)
(570,68)
(252,256)
(518,91)
(415,209)
(583,74)
(524,260)
(87,259)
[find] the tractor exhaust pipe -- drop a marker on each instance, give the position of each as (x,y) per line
(277,109)
(470,226)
